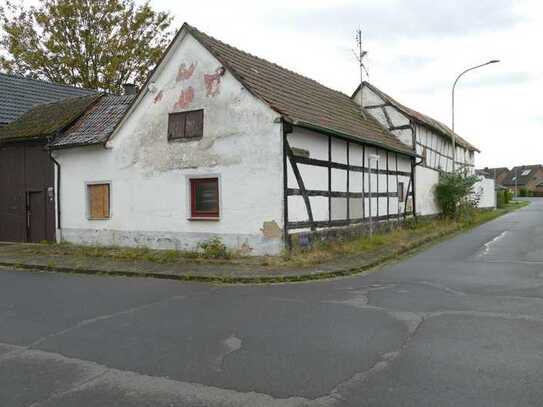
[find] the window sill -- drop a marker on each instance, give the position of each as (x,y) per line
(183,139)
(99,218)
(209,218)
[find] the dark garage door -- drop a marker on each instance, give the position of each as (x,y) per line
(27,207)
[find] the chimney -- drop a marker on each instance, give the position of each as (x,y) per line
(130,89)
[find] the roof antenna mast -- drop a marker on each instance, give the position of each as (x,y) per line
(360,54)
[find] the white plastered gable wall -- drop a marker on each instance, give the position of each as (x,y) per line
(149,175)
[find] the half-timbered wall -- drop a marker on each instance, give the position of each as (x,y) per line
(437,151)
(328,182)
(433,146)
(430,144)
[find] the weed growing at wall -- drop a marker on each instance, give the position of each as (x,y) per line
(454,194)
(214,248)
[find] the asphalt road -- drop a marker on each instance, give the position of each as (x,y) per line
(460,324)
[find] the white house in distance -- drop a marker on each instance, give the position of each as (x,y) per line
(220,143)
(432,140)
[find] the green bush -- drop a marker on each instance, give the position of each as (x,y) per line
(506,197)
(214,248)
(454,194)
(501,199)
(523,192)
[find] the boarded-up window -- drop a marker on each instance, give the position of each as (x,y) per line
(99,201)
(186,125)
(204,197)
(401,192)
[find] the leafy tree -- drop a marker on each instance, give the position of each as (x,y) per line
(454,193)
(96,44)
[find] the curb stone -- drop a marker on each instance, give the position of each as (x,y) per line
(237,279)
(410,248)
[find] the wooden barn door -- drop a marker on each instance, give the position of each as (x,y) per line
(27,202)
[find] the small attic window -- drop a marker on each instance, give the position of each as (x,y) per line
(186,125)
(526,172)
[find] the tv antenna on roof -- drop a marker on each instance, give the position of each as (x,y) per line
(360,54)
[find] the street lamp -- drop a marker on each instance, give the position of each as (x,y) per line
(372,157)
(494,61)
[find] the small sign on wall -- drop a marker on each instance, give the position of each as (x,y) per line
(51,194)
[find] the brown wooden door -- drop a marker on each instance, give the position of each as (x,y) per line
(12,194)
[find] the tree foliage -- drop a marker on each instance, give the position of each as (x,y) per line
(96,44)
(454,193)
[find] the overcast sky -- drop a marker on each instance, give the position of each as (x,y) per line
(416,49)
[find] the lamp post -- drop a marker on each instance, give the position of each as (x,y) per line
(372,157)
(494,61)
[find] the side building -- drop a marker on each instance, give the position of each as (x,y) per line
(431,139)
(27,203)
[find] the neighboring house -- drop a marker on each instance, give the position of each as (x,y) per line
(529,177)
(431,139)
(26,170)
(220,143)
(19,94)
(27,180)
(498,174)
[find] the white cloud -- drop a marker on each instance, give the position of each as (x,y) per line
(416,49)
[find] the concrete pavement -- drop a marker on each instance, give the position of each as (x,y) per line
(460,324)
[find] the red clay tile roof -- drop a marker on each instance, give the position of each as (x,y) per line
(98,122)
(421,118)
(529,171)
(300,100)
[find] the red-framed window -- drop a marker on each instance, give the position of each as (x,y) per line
(204,198)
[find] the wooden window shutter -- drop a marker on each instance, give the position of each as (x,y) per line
(194,127)
(176,126)
(98,195)
(186,125)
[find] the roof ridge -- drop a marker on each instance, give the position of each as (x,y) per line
(401,106)
(64,85)
(63,100)
(192,28)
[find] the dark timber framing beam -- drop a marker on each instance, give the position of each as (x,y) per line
(337,223)
(329,178)
(378,106)
(295,159)
(338,194)
(300,182)
(348,203)
(403,127)
(287,128)
(354,168)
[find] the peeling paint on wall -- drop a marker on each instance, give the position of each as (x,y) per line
(158,97)
(185,72)
(271,230)
(213,82)
(185,98)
